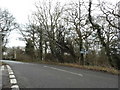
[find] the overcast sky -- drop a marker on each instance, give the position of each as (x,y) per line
(20,9)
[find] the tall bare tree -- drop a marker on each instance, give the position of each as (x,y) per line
(7,24)
(113,58)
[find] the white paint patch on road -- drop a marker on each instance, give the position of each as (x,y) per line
(65,71)
(45,66)
(8,67)
(15,87)
(2,67)
(10,70)
(13,81)
(11,73)
(11,76)
(15,62)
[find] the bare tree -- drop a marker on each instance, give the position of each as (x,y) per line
(101,32)
(7,24)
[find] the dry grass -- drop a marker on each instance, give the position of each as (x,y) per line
(2,63)
(95,68)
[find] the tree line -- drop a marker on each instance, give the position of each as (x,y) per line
(80,32)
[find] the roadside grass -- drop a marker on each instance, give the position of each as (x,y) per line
(95,68)
(2,63)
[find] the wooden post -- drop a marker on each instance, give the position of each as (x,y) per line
(0,46)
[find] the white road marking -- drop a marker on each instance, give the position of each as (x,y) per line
(45,66)
(11,76)
(11,73)
(10,70)
(8,67)
(2,67)
(16,87)
(65,71)
(13,81)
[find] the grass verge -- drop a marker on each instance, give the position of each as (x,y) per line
(2,63)
(95,68)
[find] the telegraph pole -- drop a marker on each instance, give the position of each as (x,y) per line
(119,40)
(0,60)
(1,53)
(119,24)
(0,46)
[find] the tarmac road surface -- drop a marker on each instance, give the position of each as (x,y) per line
(31,75)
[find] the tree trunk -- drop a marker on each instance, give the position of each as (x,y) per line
(40,45)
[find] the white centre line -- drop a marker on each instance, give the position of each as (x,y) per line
(65,71)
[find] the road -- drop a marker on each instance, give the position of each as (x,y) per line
(0,78)
(31,75)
